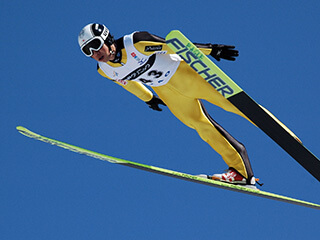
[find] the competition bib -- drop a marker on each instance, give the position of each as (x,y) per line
(154,70)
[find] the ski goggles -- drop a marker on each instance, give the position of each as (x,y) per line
(94,44)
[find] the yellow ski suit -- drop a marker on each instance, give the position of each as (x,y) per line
(182,94)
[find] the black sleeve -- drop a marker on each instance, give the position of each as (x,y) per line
(146,36)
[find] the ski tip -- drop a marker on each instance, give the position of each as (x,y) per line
(20,128)
(25,131)
(173,32)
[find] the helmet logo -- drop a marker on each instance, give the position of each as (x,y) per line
(105,32)
(97,27)
(81,34)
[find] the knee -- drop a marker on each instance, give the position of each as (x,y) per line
(205,131)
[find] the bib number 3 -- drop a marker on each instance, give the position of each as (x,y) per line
(154,74)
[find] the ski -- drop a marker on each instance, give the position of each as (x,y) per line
(240,99)
(167,172)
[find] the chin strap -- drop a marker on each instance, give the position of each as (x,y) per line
(118,54)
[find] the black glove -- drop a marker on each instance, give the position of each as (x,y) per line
(154,102)
(224,51)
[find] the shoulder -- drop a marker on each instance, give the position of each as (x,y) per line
(101,72)
(139,37)
(146,36)
(119,43)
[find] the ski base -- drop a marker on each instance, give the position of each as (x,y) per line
(167,172)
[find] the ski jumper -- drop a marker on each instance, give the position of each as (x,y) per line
(146,59)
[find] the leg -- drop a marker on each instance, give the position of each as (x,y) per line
(191,112)
(187,82)
(239,147)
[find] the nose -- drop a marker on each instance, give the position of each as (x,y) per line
(94,52)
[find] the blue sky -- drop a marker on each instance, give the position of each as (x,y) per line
(49,87)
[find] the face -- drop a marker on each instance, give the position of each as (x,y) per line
(103,55)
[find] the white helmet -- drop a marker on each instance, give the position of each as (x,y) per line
(93,36)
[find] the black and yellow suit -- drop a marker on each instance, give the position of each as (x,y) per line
(182,95)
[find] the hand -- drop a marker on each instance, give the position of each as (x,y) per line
(154,103)
(224,51)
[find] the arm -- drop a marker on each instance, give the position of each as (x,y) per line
(148,43)
(136,88)
(140,91)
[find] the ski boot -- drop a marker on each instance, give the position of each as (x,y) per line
(233,177)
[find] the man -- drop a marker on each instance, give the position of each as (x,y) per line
(142,58)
